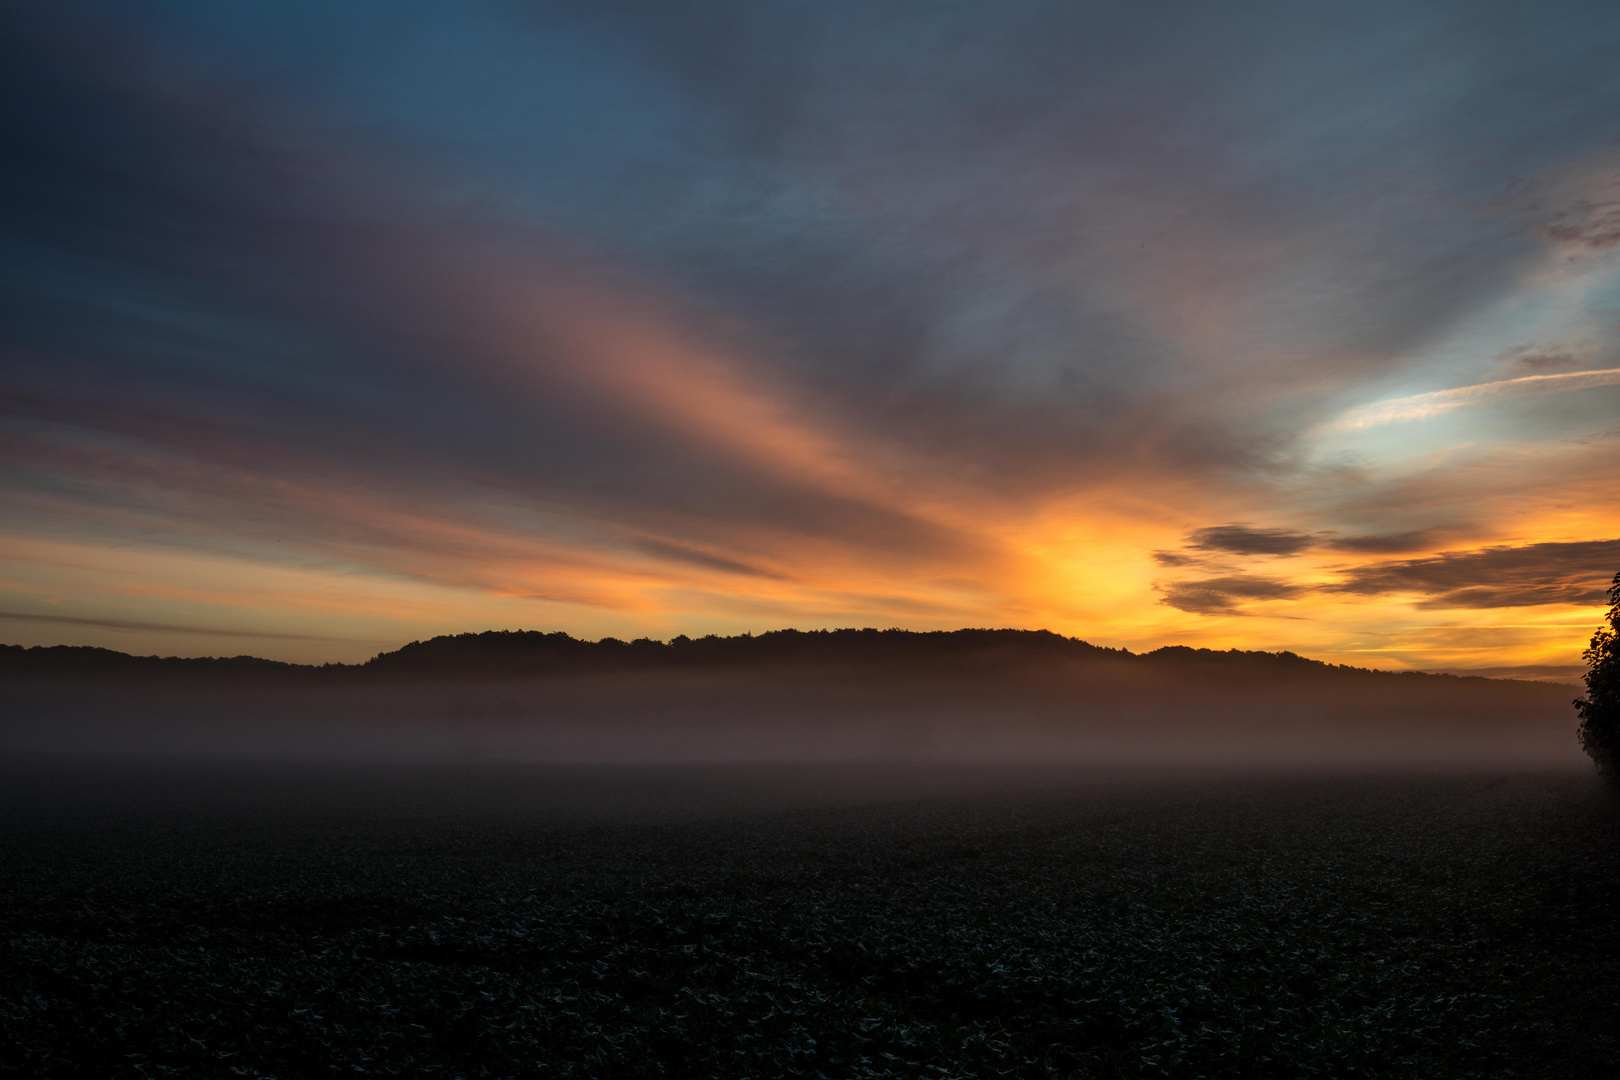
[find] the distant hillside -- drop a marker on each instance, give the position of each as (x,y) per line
(89,661)
(532,653)
(969,695)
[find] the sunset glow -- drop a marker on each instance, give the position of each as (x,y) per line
(1238,332)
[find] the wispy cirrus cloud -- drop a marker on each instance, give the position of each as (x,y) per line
(1439,402)
(1591,222)
(161,628)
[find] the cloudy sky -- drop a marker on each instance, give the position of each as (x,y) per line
(324,327)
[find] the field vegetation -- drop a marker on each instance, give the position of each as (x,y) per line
(555,922)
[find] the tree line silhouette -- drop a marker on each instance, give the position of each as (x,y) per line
(1599,710)
(523,653)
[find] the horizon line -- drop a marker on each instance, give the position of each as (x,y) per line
(1547,673)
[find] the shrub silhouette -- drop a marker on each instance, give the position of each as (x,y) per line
(1600,708)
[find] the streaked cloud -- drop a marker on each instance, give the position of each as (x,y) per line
(1435,403)
(1385,543)
(1224,595)
(1506,576)
(1571,572)
(1245,540)
(1592,223)
(159,628)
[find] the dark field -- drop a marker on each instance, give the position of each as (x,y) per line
(814,921)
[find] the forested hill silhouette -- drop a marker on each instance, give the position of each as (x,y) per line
(519,651)
(968,695)
(531,653)
(72,661)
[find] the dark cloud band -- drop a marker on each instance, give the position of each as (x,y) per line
(1548,573)
(1223,595)
(1243,540)
(1525,575)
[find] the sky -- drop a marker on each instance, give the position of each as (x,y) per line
(327,327)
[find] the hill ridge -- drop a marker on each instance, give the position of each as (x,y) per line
(540,653)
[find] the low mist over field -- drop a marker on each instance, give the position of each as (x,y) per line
(965,696)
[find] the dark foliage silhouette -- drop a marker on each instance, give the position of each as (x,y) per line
(1600,708)
(782,695)
(519,653)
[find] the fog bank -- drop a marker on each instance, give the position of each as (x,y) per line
(1109,710)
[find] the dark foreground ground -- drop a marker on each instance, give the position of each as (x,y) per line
(839,922)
